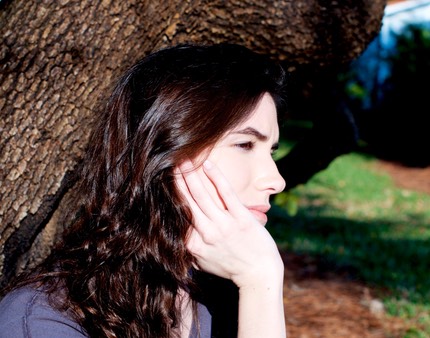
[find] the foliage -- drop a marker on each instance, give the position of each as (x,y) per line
(359,224)
(393,115)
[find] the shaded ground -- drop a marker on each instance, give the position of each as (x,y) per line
(322,305)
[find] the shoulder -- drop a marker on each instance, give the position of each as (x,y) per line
(25,312)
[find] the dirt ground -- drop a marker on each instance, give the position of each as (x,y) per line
(322,305)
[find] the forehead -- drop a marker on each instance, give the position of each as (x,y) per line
(263,118)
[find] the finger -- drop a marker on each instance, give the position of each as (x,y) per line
(198,215)
(202,225)
(224,189)
(200,193)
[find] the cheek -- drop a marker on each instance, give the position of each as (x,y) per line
(237,173)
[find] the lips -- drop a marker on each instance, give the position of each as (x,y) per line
(259,212)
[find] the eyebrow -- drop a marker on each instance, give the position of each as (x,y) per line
(251,131)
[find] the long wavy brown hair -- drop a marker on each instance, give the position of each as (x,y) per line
(124,258)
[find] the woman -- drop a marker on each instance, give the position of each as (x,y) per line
(175,191)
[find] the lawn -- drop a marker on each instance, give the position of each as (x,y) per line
(355,218)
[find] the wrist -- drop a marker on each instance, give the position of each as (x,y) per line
(269,276)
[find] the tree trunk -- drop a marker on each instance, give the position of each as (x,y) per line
(58,58)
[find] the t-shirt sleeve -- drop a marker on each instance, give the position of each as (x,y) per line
(25,313)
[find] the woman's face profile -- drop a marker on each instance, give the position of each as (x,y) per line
(244,156)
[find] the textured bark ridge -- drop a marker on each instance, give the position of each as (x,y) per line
(315,31)
(58,58)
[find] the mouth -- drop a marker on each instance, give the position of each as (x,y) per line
(259,213)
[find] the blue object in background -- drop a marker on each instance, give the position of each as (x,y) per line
(372,67)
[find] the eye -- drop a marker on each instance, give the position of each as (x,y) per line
(245,145)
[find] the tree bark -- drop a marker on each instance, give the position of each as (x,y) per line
(58,59)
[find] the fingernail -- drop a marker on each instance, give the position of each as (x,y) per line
(207,164)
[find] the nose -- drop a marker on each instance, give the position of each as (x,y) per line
(269,179)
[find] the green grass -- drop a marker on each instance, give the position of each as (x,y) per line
(356,220)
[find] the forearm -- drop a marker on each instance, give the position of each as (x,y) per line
(261,309)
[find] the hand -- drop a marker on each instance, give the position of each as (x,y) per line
(226,238)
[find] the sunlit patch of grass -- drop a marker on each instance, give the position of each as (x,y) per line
(418,316)
(355,217)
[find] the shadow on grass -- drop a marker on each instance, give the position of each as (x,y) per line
(375,252)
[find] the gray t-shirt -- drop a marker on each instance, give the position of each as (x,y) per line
(26,313)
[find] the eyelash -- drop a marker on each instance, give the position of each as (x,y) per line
(247,146)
